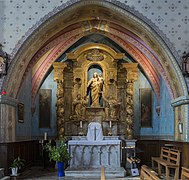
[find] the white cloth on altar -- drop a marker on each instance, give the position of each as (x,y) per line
(94,132)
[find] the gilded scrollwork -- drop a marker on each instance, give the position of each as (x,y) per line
(58,77)
(129,110)
(83,91)
(131,78)
(79,108)
(95,55)
(112,108)
(60,109)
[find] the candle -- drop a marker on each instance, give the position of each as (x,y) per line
(45,136)
(81,125)
(110,124)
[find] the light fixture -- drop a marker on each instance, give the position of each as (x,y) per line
(158,110)
(180,127)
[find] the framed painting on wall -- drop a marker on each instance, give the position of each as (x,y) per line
(44,108)
(21,112)
(145,107)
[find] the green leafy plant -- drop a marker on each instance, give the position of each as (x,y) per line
(59,152)
(17,163)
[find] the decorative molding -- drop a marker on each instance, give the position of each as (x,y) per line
(8,100)
(144,63)
(69,3)
(180,101)
(58,70)
(95,56)
(156,137)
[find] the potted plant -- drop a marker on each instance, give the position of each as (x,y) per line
(59,153)
(17,163)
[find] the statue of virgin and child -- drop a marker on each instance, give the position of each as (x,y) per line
(95,87)
(94,96)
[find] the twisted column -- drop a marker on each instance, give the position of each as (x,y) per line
(130,109)
(58,77)
(132,76)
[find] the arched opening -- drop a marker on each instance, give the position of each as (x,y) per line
(129,32)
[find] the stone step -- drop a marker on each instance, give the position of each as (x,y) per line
(95,172)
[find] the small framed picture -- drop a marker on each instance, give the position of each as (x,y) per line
(21,112)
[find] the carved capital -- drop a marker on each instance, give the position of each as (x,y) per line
(132,71)
(58,70)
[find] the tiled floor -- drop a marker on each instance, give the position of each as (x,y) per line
(50,173)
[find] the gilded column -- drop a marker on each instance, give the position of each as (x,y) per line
(59,78)
(132,76)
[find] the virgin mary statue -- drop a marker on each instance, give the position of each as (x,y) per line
(95,87)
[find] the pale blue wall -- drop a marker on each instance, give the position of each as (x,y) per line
(39,132)
(142,82)
(166,114)
(30,127)
(23,130)
(164,123)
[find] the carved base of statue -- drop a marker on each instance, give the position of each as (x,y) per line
(81,133)
(110,133)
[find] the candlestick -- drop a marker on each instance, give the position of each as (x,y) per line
(110,124)
(45,136)
(81,125)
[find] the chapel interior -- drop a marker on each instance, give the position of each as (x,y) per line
(112,77)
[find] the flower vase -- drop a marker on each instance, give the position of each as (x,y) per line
(14,171)
(60,169)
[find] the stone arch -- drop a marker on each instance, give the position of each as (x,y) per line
(131,22)
(72,13)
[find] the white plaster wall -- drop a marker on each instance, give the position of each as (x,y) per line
(171,16)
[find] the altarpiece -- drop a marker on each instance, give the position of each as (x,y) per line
(76,104)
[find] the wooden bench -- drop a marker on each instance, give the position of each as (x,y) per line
(148,174)
(185,173)
(170,159)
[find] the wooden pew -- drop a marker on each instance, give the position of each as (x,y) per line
(148,174)
(170,159)
(185,174)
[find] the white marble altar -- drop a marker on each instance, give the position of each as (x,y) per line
(94,154)
(89,153)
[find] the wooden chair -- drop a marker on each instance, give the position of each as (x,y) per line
(185,174)
(170,159)
(148,174)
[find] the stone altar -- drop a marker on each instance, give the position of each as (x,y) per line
(95,151)
(89,156)
(95,154)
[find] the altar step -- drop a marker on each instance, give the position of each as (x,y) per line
(95,172)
